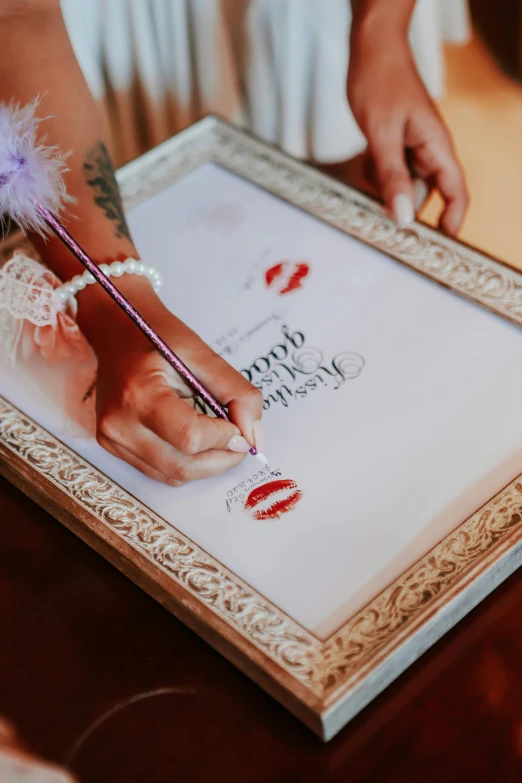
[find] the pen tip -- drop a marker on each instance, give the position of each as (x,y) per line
(261,458)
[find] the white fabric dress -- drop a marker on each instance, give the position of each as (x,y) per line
(277,66)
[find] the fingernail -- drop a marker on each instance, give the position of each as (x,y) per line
(421,193)
(259,435)
(403,209)
(239,444)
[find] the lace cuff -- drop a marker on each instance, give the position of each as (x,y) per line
(33,325)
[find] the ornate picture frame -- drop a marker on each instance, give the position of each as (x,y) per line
(324,683)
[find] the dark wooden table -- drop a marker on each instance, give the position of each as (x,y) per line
(97,676)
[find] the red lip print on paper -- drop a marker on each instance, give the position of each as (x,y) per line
(286,276)
(272,500)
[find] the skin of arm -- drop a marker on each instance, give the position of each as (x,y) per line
(383,15)
(142,415)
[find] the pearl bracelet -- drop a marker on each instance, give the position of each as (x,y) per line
(118,268)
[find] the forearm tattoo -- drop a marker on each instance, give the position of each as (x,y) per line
(99,174)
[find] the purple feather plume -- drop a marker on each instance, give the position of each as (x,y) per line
(30,174)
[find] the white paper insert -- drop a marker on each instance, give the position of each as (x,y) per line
(412,423)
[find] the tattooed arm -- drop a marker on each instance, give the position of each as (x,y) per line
(36,59)
(140,415)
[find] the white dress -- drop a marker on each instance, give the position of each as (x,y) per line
(276,66)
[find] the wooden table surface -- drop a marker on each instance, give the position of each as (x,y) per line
(97,676)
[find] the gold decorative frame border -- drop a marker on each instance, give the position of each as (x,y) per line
(324,684)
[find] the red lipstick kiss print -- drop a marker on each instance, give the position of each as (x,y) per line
(286,276)
(271,500)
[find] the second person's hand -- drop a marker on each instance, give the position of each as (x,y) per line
(407,138)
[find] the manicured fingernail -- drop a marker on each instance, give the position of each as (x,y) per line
(403,211)
(259,435)
(239,444)
(421,193)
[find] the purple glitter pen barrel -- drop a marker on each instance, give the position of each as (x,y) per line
(167,353)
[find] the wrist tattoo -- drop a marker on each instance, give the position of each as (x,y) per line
(99,175)
(90,391)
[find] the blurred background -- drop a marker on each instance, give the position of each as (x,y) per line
(278,67)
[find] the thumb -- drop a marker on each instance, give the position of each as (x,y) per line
(394,178)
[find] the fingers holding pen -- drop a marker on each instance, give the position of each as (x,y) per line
(146,417)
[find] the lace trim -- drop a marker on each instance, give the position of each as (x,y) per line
(27,290)
(34,322)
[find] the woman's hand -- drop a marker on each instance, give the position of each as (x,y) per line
(407,138)
(145,414)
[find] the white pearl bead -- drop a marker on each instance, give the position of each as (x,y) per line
(105,269)
(89,279)
(130,265)
(140,268)
(117,269)
(61,294)
(70,289)
(79,282)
